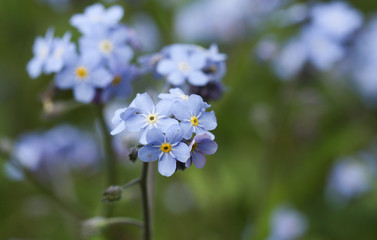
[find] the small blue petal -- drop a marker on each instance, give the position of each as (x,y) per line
(167,165)
(144,103)
(198,159)
(187,128)
(155,136)
(181,152)
(195,104)
(83,93)
(174,134)
(149,153)
(197,78)
(176,78)
(208,120)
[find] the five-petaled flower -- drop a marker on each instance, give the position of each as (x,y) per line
(167,147)
(201,145)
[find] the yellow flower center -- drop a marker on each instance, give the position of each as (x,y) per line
(194,121)
(166,147)
(117,79)
(106,46)
(152,118)
(184,66)
(184,97)
(81,72)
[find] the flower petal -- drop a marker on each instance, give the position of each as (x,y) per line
(207,146)
(65,79)
(155,136)
(181,152)
(166,66)
(167,165)
(118,129)
(208,120)
(198,159)
(83,93)
(163,108)
(148,153)
(100,78)
(144,103)
(181,111)
(165,123)
(176,78)
(197,78)
(187,129)
(135,122)
(195,104)
(174,134)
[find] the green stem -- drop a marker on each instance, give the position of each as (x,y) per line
(108,150)
(145,202)
(131,183)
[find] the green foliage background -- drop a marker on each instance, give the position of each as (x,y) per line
(277,141)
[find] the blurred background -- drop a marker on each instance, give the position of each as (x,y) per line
(296,131)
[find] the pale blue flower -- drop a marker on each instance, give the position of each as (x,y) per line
(350,177)
(182,65)
(287,224)
(41,50)
(84,74)
(176,94)
(167,147)
(120,86)
(97,16)
(143,115)
(336,19)
(110,45)
(200,146)
(61,52)
(193,117)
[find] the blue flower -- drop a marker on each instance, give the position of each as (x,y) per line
(183,64)
(110,45)
(62,50)
(287,224)
(121,85)
(41,51)
(176,94)
(201,145)
(167,147)
(84,74)
(97,16)
(193,117)
(143,115)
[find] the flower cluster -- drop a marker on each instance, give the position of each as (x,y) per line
(321,43)
(186,65)
(62,145)
(175,129)
(101,67)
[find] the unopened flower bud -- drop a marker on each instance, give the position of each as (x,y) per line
(112,194)
(133,154)
(211,91)
(92,226)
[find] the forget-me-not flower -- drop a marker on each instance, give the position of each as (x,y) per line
(61,52)
(287,224)
(143,115)
(176,94)
(183,65)
(41,51)
(110,45)
(84,74)
(193,117)
(121,86)
(97,16)
(200,146)
(167,147)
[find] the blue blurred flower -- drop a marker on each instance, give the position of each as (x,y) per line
(121,86)
(351,177)
(110,45)
(96,16)
(336,19)
(143,115)
(167,147)
(62,145)
(84,74)
(61,52)
(41,51)
(176,94)
(183,65)
(287,224)
(200,146)
(193,117)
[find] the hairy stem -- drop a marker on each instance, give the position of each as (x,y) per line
(131,183)
(145,202)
